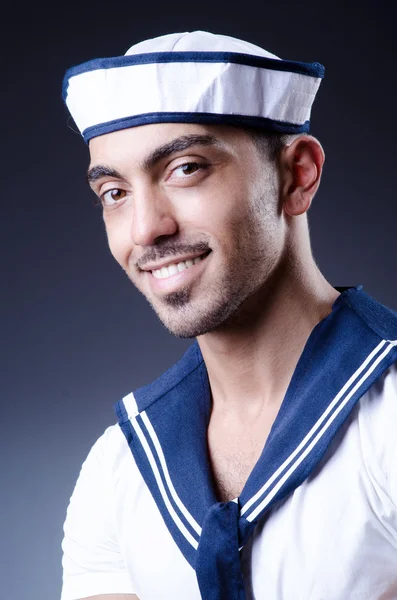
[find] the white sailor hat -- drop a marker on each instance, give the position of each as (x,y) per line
(192,77)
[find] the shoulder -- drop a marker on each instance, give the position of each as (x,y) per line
(107,449)
(378,411)
(92,561)
(106,463)
(110,454)
(378,317)
(377,418)
(90,517)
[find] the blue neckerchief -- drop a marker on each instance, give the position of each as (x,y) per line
(165,424)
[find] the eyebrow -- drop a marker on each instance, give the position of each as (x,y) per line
(100,171)
(179,144)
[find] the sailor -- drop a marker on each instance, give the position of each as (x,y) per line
(264,463)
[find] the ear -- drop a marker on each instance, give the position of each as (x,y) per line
(301,166)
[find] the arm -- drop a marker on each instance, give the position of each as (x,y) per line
(93,566)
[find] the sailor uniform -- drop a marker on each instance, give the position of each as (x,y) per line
(317,517)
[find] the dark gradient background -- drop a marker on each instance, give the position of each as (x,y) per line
(75,334)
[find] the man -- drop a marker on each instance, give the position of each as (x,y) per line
(262,465)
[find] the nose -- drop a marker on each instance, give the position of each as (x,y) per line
(152,216)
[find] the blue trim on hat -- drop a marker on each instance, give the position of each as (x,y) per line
(310,69)
(204,118)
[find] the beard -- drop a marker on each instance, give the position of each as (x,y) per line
(220,298)
(185,316)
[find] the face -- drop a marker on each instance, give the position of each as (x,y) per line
(192,215)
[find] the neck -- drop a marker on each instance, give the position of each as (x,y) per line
(250,360)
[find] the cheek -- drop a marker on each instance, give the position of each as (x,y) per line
(213,220)
(216,205)
(119,240)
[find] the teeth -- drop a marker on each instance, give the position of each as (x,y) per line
(165,272)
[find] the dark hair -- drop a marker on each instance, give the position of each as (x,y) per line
(269,143)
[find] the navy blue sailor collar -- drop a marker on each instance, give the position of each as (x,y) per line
(165,424)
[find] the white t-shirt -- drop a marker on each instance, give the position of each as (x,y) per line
(333,538)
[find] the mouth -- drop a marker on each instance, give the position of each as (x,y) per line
(177,267)
(171,278)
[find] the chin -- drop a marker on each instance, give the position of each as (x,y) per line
(187,331)
(187,321)
(180,326)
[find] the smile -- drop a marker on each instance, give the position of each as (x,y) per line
(170,278)
(174,268)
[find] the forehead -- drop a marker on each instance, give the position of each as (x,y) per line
(136,143)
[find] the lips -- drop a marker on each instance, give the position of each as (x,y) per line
(176,267)
(175,275)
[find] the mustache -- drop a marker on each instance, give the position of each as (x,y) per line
(169,249)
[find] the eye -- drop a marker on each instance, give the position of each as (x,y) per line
(113,196)
(183,171)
